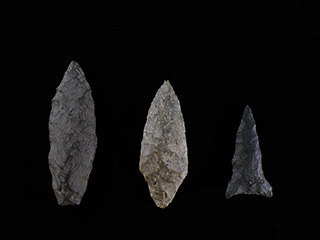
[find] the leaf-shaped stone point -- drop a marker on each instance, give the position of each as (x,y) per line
(247,177)
(72,134)
(163,159)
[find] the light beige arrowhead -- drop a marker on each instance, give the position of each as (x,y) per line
(163,159)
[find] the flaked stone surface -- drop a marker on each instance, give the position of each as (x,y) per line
(247,177)
(163,159)
(72,127)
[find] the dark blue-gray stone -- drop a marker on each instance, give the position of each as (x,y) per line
(247,176)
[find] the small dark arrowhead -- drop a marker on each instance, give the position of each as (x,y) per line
(247,177)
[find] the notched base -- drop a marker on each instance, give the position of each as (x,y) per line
(262,188)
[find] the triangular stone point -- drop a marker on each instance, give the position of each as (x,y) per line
(248,177)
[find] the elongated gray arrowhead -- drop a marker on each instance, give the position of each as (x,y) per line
(247,177)
(163,159)
(72,127)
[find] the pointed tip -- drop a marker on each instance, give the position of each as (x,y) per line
(74,68)
(247,108)
(73,65)
(167,82)
(166,86)
(247,111)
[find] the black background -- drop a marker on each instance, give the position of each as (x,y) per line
(218,58)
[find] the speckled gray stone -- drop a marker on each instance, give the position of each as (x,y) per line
(72,127)
(247,177)
(163,159)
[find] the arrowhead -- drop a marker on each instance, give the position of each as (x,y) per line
(73,140)
(163,159)
(247,177)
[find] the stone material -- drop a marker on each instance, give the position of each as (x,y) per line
(72,127)
(247,177)
(163,159)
